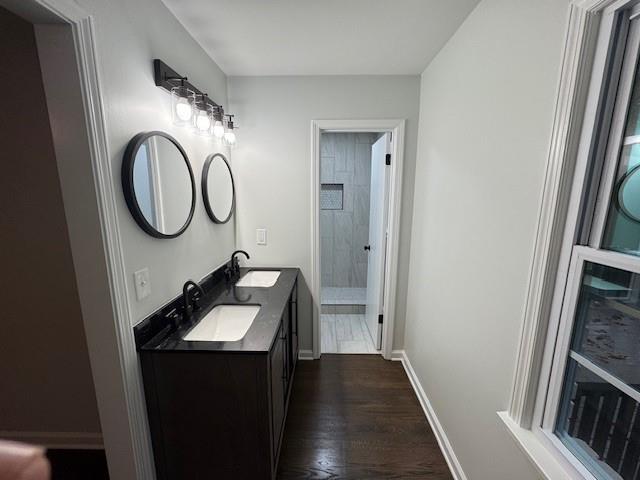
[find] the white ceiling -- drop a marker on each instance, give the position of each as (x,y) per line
(321,37)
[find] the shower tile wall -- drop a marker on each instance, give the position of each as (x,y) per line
(345,158)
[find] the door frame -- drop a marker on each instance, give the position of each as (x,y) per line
(97,252)
(397,128)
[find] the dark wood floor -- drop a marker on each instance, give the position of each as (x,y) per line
(357,417)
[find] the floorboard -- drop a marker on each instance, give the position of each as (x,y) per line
(357,417)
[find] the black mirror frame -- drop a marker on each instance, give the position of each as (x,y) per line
(129,190)
(205,189)
(619,204)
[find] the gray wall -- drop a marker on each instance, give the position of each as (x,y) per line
(273,163)
(345,158)
(45,377)
(486,110)
(128,42)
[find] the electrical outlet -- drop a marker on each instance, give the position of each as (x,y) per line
(143,283)
(261,236)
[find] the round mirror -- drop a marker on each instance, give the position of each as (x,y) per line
(629,193)
(218,190)
(158,184)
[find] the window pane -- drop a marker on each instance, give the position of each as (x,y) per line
(607,321)
(600,425)
(622,230)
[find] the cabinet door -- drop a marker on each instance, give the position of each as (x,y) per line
(293,328)
(286,339)
(278,376)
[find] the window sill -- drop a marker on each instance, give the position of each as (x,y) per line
(548,464)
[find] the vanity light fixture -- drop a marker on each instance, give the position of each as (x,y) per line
(218,122)
(229,138)
(203,117)
(182,102)
(193,108)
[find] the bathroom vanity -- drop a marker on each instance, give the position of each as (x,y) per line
(217,393)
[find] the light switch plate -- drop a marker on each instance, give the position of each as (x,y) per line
(143,283)
(261,236)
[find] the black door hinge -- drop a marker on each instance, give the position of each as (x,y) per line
(380,318)
(387,159)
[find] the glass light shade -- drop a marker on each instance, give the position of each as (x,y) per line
(182,103)
(218,129)
(230,139)
(203,120)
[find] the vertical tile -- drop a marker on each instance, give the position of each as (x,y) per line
(327,144)
(361,274)
(341,270)
(363,138)
(343,230)
(326,223)
(362,167)
(327,169)
(350,152)
(344,177)
(348,199)
(340,153)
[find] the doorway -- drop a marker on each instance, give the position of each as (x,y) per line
(353,184)
(356,208)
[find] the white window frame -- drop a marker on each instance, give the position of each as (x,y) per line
(582,124)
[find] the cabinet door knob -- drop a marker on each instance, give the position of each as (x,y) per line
(367,247)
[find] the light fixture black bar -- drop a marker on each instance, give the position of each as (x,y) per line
(167,78)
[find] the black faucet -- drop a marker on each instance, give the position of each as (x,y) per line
(234,268)
(190,302)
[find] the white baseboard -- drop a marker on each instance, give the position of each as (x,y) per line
(441,436)
(397,355)
(305,355)
(73,440)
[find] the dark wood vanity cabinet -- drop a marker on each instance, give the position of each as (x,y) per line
(221,414)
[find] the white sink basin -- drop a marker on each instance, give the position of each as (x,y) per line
(259,278)
(225,323)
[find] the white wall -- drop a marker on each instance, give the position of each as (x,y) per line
(273,163)
(130,36)
(485,119)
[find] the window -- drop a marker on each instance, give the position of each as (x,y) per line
(591,406)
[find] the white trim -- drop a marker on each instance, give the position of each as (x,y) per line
(397,355)
(114,256)
(429,412)
(305,355)
(631,140)
(131,447)
(73,440)
(575,75)
(547,459)
(616,134)
(397,127)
